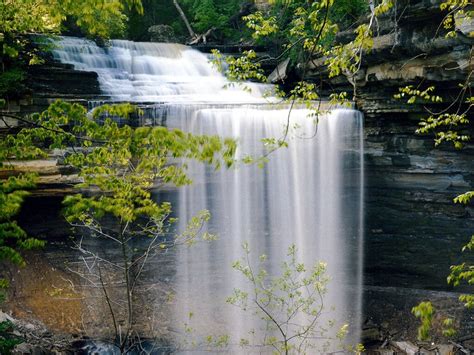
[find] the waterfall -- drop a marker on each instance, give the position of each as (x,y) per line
(309,194)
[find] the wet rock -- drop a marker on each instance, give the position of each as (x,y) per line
(60,80)
(29,327)
(445,349)
(414,231)
(412,348)
(280,72)
(28,349)
(5,317)
(371,335)
(464,25)
(87,346)
(407,347)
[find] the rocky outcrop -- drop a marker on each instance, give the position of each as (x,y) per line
(262,4)
(34,338)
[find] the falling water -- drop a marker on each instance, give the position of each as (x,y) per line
(309,195)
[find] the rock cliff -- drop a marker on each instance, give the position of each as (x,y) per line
(414,231)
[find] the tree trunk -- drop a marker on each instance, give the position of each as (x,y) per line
(185,19)
(201,37)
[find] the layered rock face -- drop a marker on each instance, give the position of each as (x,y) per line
(49,82)
(414,231)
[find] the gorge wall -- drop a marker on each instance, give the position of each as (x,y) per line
(414,231)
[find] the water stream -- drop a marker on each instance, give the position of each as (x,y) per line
(309,195)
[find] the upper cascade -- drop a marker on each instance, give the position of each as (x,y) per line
(155,72)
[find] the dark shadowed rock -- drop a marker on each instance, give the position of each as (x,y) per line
(162,33)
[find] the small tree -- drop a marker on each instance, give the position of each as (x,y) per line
(119,167)
(289,305)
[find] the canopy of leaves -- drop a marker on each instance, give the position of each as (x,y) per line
(101,18)
(203,15)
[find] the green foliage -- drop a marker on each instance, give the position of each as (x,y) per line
(348,12)
(120,161)
(306,30)
(340,99)
(202,14)
(290,14)
(415,94)
(347,58)
(447,126)
(154,12)
(464,273)
(424,311)
(7,339)
(96,18)
(448,328)
(290,305)
(457,11)
(12,237)
(207,14)
(242,68)
(437,124)
(304,93)
(261,26)
(310,27)
(9,81)
(465,198)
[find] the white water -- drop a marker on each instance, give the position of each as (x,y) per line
(154,72)
(310,194)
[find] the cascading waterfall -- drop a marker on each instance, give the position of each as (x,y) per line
(310,194)
(153,72)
